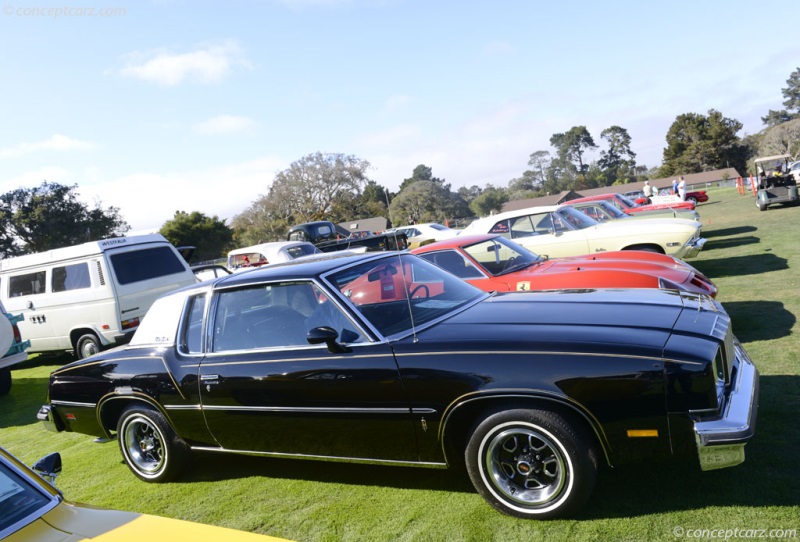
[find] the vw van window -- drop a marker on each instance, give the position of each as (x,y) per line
(149,263)
(70,277)
(27,284)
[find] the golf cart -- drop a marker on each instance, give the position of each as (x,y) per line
(775,183)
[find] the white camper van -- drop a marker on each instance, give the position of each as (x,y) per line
(91,296)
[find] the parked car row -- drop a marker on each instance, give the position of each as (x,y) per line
(533,368)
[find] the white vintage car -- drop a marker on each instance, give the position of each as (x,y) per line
(561,231)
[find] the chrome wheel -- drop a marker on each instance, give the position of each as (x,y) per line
(525,465)
(532,463)
(149,445)
(143,446)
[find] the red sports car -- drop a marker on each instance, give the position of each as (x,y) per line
(494,263)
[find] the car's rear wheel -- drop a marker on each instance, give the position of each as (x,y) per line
(5,381)
(150,447)
(531,464)
(692,200)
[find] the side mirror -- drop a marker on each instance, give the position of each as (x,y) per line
(327,335)
(49,467)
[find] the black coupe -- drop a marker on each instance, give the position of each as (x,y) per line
(386,358)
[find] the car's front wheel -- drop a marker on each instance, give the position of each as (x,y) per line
(150,447)
(531,464)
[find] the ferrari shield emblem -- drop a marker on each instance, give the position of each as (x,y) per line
(523,286)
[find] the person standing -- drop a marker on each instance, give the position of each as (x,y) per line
(682,188)
(648,192)
(674,186)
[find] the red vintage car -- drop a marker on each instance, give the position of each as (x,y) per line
(494,263)
(630,207)
(695,196)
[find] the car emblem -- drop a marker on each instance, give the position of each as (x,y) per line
(524,286)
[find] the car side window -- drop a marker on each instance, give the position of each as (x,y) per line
(192,334)
(501,228)
(453,262)
(277,315)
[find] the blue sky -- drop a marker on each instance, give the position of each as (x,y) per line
(165,105)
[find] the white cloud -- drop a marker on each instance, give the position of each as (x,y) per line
(223,124)
(204,65)
(31,179)
(56,142)
(147,200)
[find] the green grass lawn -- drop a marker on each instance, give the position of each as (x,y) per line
(752,256)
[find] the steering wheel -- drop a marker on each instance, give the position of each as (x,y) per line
(510,263)
(418,288)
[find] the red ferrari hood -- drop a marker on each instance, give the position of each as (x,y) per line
(657,265)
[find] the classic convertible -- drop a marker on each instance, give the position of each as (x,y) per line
(496,264)
(386,358)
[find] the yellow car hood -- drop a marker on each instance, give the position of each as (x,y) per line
(69,522)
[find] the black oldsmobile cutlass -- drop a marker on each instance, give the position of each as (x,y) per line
(388,359)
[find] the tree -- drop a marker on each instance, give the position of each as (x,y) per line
(618,162)
(312,186)
(539,162)
(775,118)
(420,173)
(316,187)
(491,199)
(572,145)
(782,139)
(697,143)
(792,93)
(50,216)
(427,201)
(210,235)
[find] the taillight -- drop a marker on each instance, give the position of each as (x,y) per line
(130,324)
(17,334)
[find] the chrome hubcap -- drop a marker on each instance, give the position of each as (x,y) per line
(525,465)
(144,446)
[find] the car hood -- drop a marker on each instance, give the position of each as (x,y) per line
(657,265)
(70,522)
(627,322)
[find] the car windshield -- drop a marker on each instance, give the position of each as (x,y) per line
(573,219)
(20,501)
(614,212)
(626,201)
(498,256)
(400,292)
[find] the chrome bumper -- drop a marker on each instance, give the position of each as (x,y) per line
(720,442)
(45,415)
(693,248)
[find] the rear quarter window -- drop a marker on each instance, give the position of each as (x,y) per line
(145,264)
(27,284)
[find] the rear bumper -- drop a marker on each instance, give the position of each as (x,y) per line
(720,442)
(48,419)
